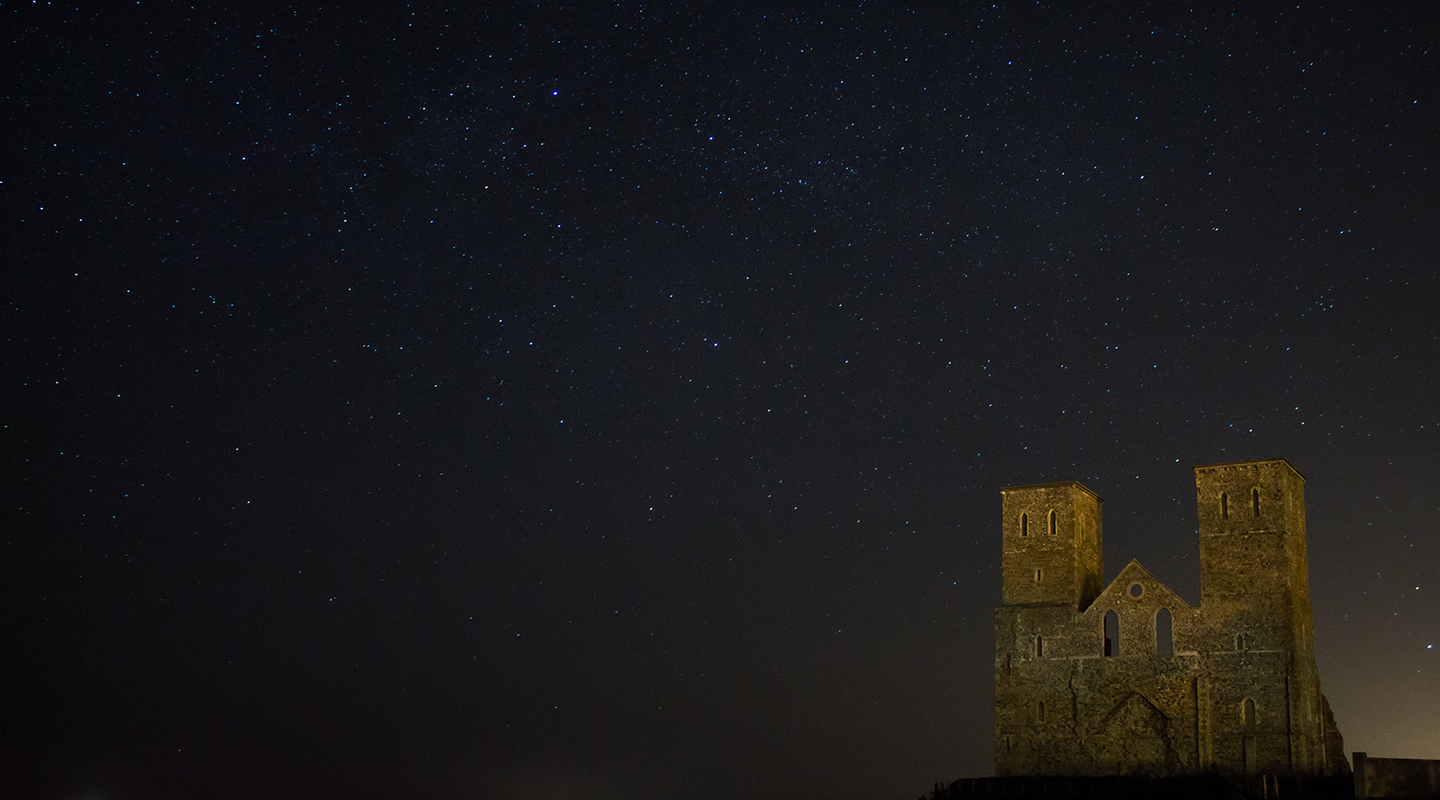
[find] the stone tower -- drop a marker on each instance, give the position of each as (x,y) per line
(1051,539)
(1258,631)
(1128,678)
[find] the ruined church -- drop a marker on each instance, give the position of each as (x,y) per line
(1129,679)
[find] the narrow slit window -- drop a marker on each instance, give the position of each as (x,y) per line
(1164,641)
(1039,573)
(1249,717)
(1039,646)
(1052,522)
(1224,506)
(1112,634)
(1040,711)
(1024,524)
(1255,501)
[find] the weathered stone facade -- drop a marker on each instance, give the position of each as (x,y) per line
(1128,678)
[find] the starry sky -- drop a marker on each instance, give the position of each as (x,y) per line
(610,401)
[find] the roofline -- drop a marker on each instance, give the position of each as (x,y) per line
(1057,483)
(1252,461)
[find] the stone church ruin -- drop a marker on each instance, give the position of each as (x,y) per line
(1128,679)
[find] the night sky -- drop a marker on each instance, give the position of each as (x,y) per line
(611,401)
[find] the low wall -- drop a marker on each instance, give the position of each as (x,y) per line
(1396,777)
(1199,787)
(1086,788)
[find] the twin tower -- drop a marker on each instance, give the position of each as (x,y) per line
(1126,678)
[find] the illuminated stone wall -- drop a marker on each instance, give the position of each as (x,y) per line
(1132,680)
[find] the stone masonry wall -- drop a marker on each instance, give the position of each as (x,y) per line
(1228,688)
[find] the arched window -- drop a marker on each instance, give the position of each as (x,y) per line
(1224,506)
(1040,711)
(1039,647)
(1024,525)
(1164,643)
(1248,716)
(1255,501)
(1052,522)
(1112,634)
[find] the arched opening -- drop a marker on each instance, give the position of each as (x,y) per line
(1052,522)
(1248,741)
(1224,506)
(1039,647)
(1255,501)
(1024,524)
(1112,634)
(1164,644)
(1040,711)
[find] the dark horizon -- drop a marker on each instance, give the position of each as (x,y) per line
(613,401)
